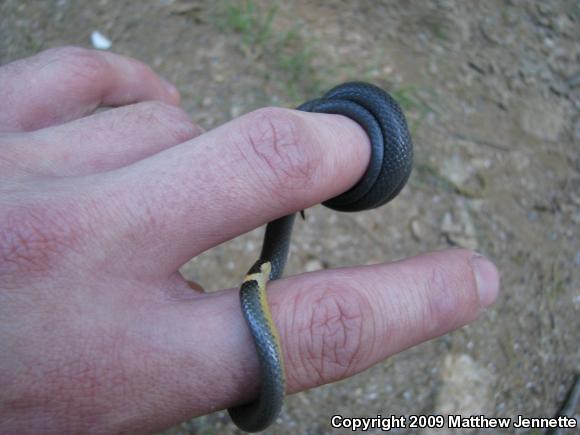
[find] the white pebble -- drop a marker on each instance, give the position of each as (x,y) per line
(100,41)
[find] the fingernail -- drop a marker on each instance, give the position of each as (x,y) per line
(487,279)
(172,90)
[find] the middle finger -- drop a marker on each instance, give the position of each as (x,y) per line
(259,167)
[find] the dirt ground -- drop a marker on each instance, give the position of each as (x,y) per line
(492,91)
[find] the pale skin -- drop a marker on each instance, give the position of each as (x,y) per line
(98,330)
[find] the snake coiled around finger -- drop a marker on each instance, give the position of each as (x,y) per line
(388,170)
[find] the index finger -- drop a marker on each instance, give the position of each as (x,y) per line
(333,324)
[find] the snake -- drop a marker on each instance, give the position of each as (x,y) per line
(388,170)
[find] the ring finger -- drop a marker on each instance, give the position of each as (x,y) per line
(100,142)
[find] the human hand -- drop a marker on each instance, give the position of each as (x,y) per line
(98,330)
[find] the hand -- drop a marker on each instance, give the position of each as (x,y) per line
(98,330)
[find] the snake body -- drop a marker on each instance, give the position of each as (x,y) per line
(389,168)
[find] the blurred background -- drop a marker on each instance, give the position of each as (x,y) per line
(492,93)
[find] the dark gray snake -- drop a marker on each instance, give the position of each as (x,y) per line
(389,168)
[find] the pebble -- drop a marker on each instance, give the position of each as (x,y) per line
(100,41)
(542,119)
(418,230)
(456,170)
(312,265)
(467,387)
(459,229)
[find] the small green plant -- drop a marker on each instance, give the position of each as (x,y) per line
(250,21)
(32,43)
(284,58)
(406,96)
(428,177)
(411,101)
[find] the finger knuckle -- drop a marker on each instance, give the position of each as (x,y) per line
(81,66)
(332,321)
(281,148)
(449,294)
(173,120)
